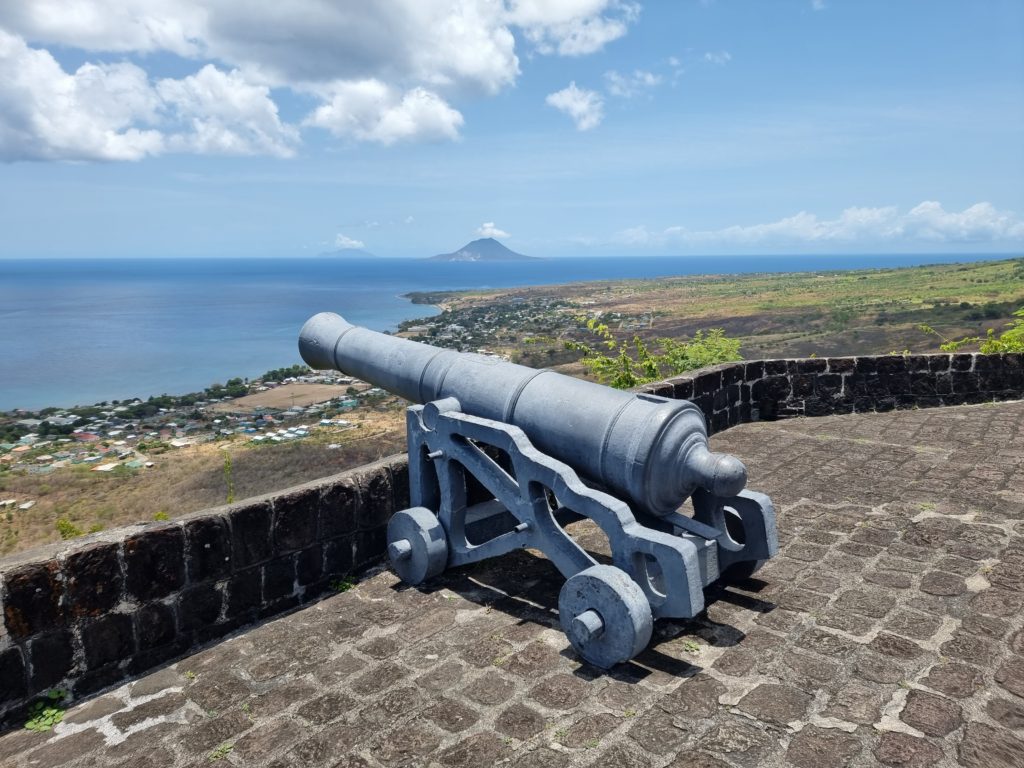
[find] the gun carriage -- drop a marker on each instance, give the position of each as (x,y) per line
(551,449)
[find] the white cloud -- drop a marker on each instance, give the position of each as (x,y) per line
(818,5)
(408,220)
(113,111)
(572,27)
(487,229)
(718,57)
(585,107)
(226,115)
(928,222)
(347,243)
(383,71)
(90,114)
(629,85)
(370,110)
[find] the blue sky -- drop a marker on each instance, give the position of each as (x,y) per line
(565,128)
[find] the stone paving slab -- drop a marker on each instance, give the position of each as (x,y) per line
(887,632)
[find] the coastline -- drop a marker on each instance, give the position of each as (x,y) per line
(114,345)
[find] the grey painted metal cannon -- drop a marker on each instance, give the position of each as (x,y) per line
(529,436)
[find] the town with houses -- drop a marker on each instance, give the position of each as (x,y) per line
(132,434)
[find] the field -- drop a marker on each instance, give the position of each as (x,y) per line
(282,397)
(780,315)
(188,479)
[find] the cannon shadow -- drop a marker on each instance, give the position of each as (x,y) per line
(525,586)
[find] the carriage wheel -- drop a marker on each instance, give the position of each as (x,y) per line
(417,545)
(605,615)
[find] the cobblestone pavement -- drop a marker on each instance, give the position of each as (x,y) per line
(888,631)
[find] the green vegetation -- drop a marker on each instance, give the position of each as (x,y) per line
(67,529)
(1011,340)
(633,363)
(45,714)
(342,585)
(229,479)
(221,752)
(280,374)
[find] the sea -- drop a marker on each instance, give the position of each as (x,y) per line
(83,331)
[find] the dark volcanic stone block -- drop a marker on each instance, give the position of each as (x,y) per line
(209,548)
(338,505)
(155,562)
(96,679)
(295,519)
(682,389)
(199,607)
(250,534)
(829,384)
(732,374)
(154,625)
(376,498)
(278,579)
(107,639)
(720,400)
(916,362)
(12,676)
(719,422)
(52,658)
(889,364)
(370,546)
(776,387)
(938,363)
(809,365)
(965,383)
(895,384)
(961,362)
(922,384)
(33,598)
(707,383)
(866,365)
(309,565)
(338,557)
(243,591)
(94,580)
(815,406)
(841,364)
(776,367)
(400,484)
(753,370)
(803,384)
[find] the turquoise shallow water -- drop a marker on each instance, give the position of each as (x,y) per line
(79,331)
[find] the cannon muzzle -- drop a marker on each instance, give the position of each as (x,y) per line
(652,450)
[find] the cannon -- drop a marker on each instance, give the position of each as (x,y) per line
(550,450)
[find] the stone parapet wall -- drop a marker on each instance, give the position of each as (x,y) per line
(756,390)
(84,614)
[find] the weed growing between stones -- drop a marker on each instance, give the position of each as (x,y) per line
(342,585)
(221,752)
(45,714)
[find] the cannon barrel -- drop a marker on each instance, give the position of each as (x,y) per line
(652,450)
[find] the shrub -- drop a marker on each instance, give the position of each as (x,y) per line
(1011,340)
(633,363)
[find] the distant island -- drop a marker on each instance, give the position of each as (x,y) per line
(349,253)
(484,249)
